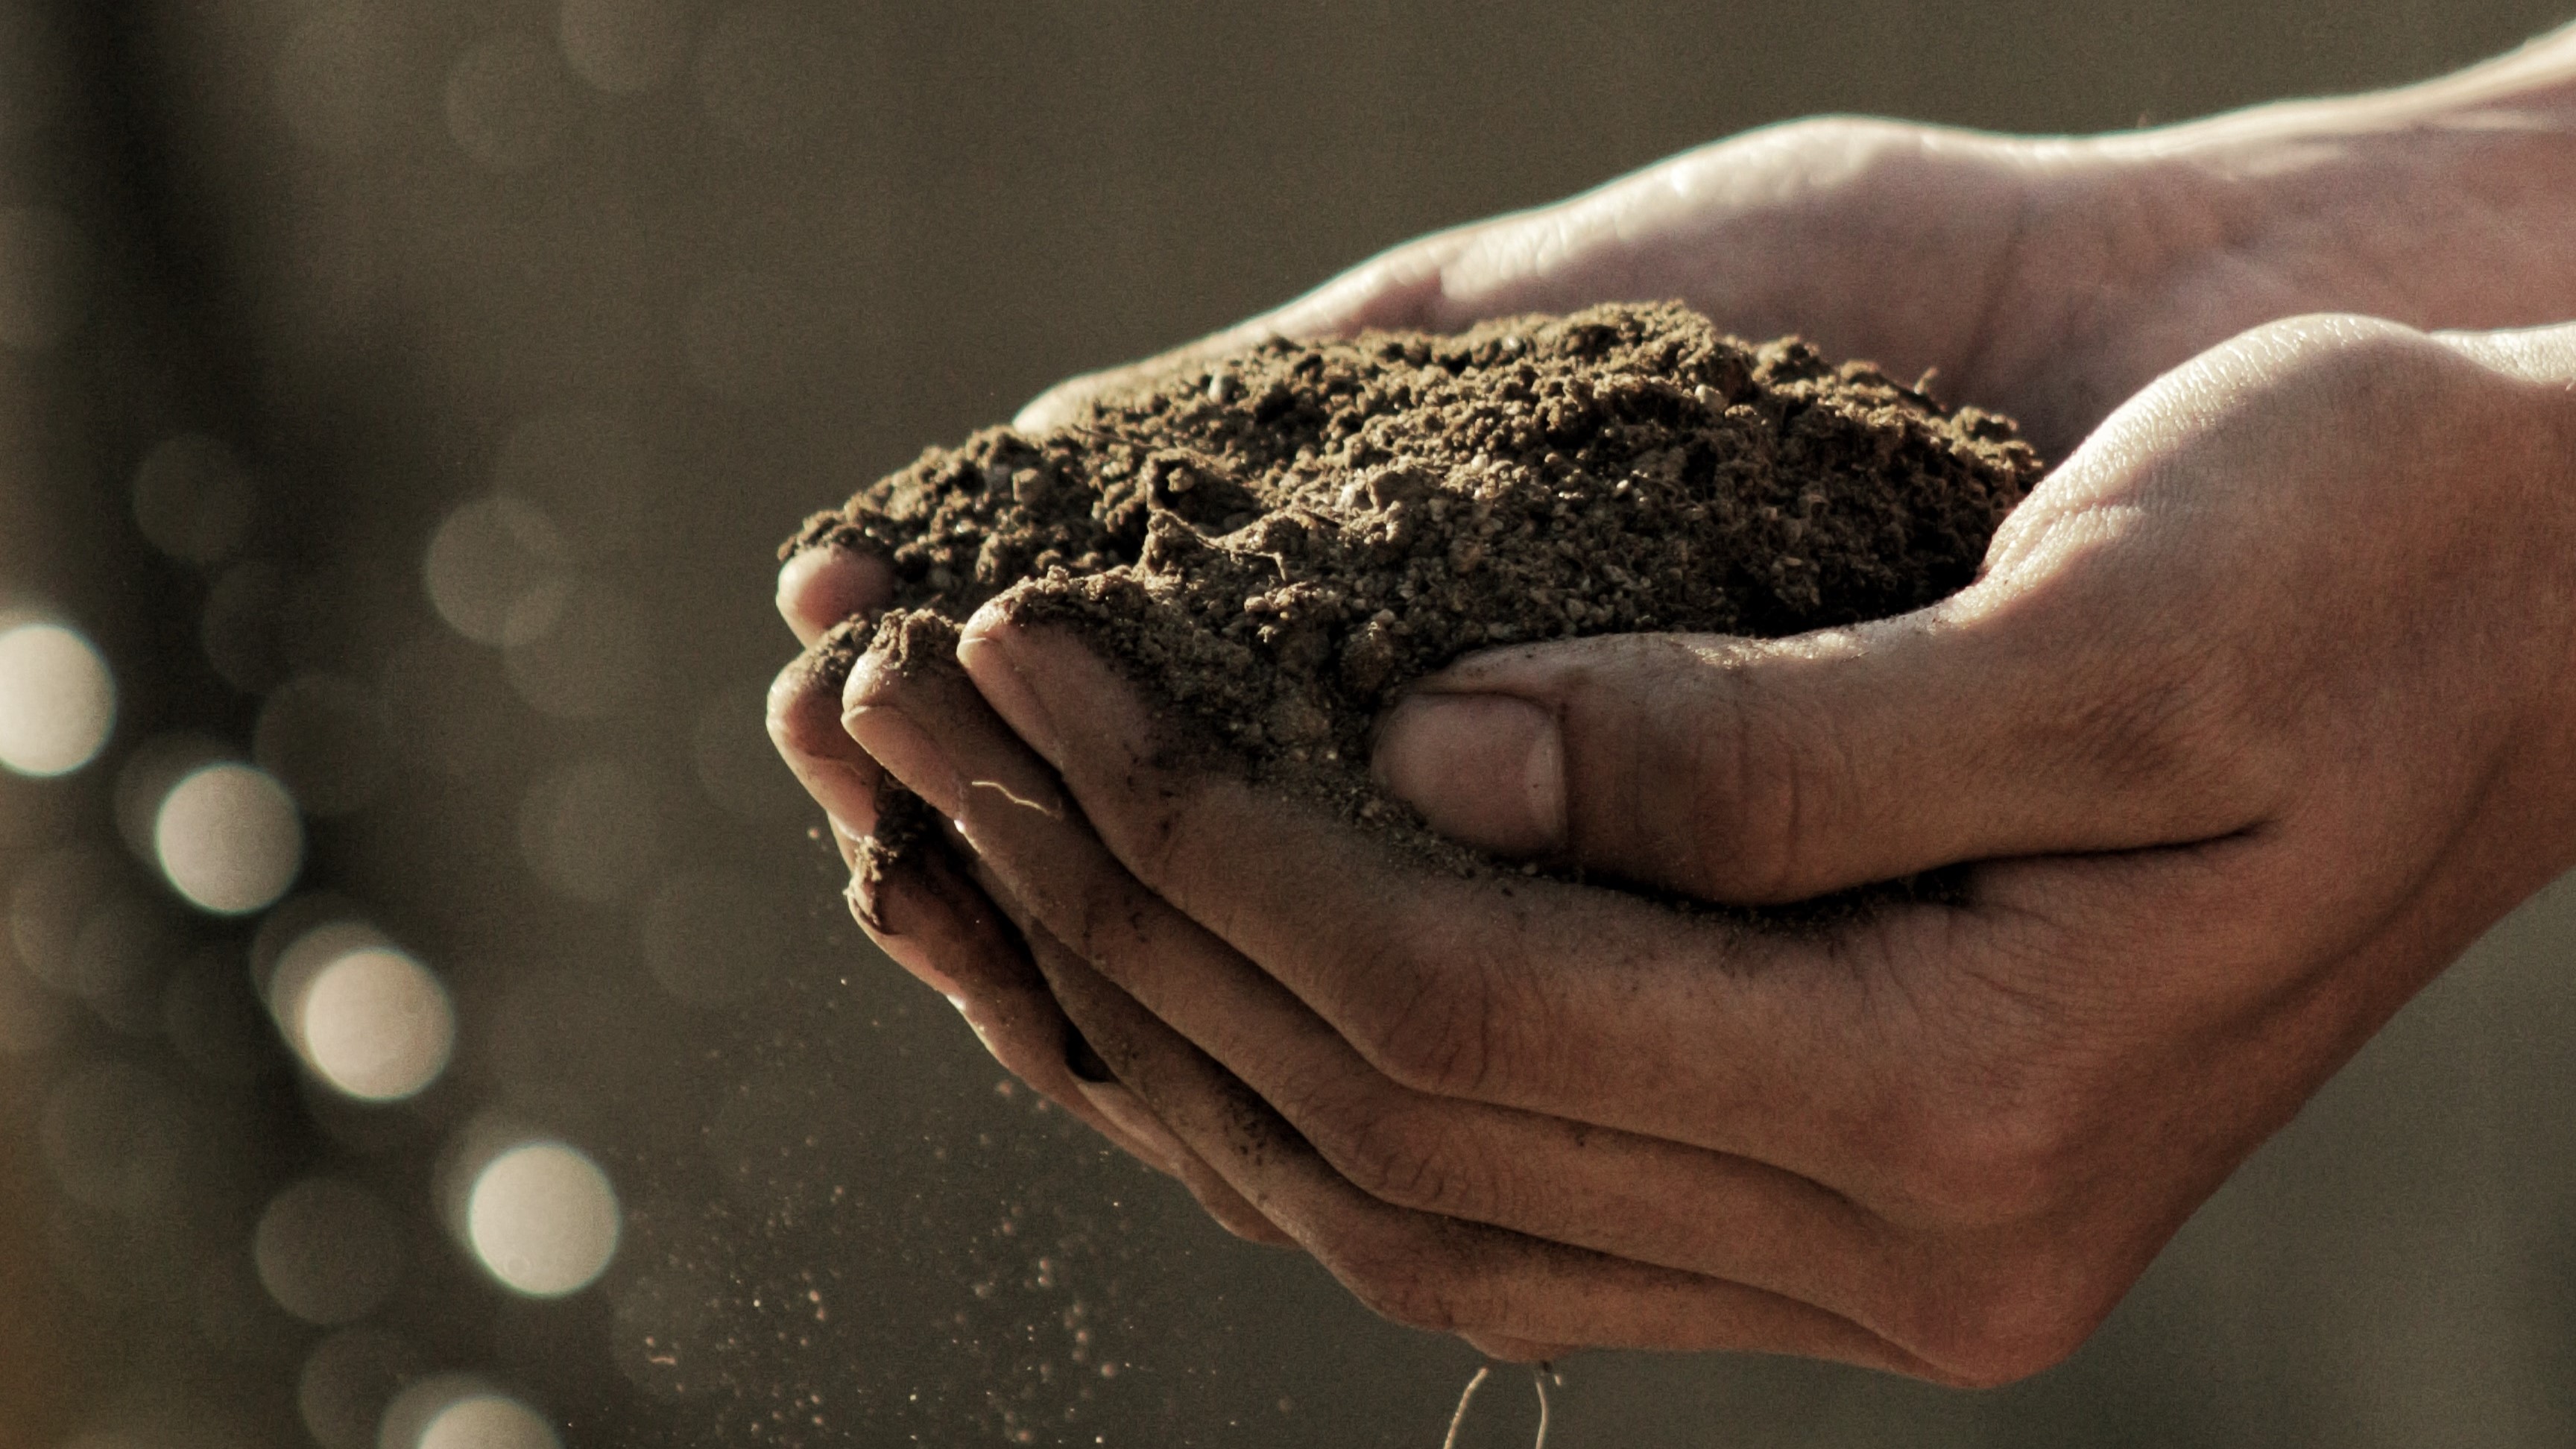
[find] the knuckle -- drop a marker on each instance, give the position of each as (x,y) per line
(1389,1152)
(804,711)
(1407,1290)
(1429,1025)
(2014,1316)
(2332,358)
(2178,730)
(1844,140)
(1757,769)
(1990,1155)
(1093,912)
(1160,824)
(2178,727)
(1103,924)
(2351,355)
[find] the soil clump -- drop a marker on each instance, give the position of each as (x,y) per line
(1273,544)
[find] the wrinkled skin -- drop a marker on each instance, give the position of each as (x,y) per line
(2256,717)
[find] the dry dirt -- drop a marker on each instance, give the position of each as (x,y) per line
(1272,545)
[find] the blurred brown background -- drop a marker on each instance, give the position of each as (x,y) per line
(405,397)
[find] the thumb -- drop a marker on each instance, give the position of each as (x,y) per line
(1758,771)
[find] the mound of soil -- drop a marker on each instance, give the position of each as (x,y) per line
(1275,543)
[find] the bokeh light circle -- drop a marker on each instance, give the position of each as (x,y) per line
(592,830)
(496,571)
(507,104)
(243,630)
(543,1219)
(30,1019)
(121,960)
(347,1382)
(193,499)
(461,1411)
(488,1421)
(334,82)
(328,1251)
(229,839)
(714,937)
(624,46)
(57,700)
(376,1025)
(764,73)
(737,766)
(50,901)
(596,659)
(591,472)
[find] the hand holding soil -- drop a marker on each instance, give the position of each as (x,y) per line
(2256,717)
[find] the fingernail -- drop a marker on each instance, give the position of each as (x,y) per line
(986,649)
(913,956)
(1484,769)
(907,750)
(825,582)
(847,793)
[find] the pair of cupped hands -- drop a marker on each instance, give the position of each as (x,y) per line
(2256,717)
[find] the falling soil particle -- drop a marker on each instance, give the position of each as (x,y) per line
(1275,543)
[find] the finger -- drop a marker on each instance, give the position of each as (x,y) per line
(1427,1271)
(1770,771)
(1634,1197)
(1572,1001)
(825,580)
(805,726)
(847,844)
(1214,1196)
(936,924)
(1111,1099)
(1011,1008)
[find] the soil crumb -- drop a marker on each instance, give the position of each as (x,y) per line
(1274,543)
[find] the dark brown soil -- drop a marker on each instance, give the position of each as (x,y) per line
(1273,545)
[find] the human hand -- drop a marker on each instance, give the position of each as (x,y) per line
(2048,278)
(2043,277)
(2258,717)
(932,911)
